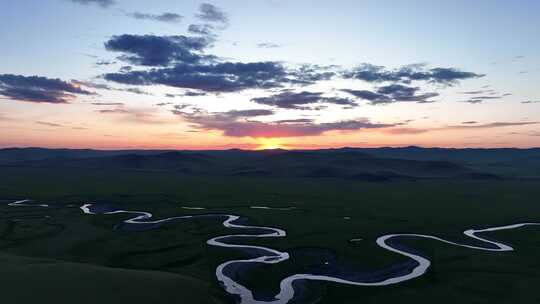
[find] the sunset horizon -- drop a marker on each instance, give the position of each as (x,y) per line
(193,76)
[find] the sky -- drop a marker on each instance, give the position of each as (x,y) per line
(168,74)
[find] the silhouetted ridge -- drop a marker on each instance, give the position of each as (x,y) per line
(382,164)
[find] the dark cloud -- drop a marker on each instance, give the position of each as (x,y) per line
(397,92)
(151,50)
(105,62)
(182,110)
(38,89)
(164,17)
(371,96)
(248,113)
(408,73)
(126,69)
(268,45)
(117,110)
(193,93)
(311,73)
(372,73)
(479,96)
(162,104)
(469,122)
(179,61)
(187,94)
(201,29)
(530,101)
(444,75)
(102,3)
(393,93)
(230,125)
(301,100)
(102,86)
(479,92)
(212,13)
(218,77)
(134,91)
(480,99)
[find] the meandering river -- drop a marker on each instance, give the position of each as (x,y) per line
(267,255)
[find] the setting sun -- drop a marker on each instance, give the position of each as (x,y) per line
(269,144)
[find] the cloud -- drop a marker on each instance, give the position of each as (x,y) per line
(311,73)
(480,99)
(201,29)
(212,13)
(530,101)
(483,95)
(298,120)
(399,92)
(268,45)
(38,89)
(179,61)
(107,103)
(231,115)
(102,3)
(151,50)
(406,74)
(117,110)
(301,100)
(134,91)
(92,85)
(371,96)
(206,31)
(186,94)
(469,122)
(406,131)
(57,125)
(479,92)
(235,125)
(465,126)
(164,17)
(102,86)
(193,93)
(49,124)
(105,62)
(138,116)
(393,93)
(248,113)
(218,77)
(494,125)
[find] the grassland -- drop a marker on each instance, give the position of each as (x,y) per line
(62,249)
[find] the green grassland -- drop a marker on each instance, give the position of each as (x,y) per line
(65,256)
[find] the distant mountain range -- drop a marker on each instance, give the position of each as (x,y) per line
(371,164)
